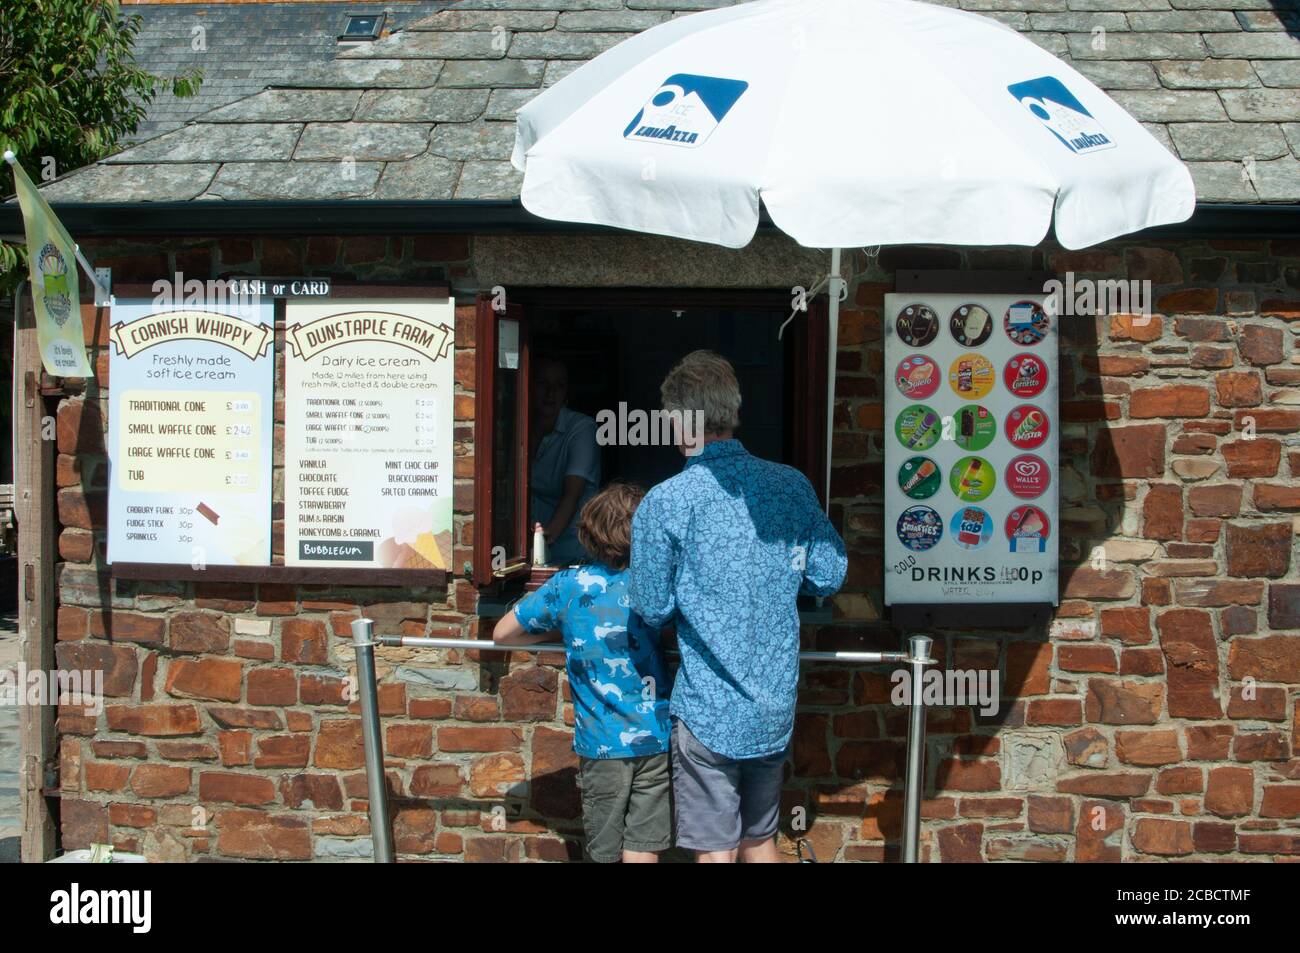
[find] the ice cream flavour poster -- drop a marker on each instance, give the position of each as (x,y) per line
(971,458)
(190,429)
(369,391)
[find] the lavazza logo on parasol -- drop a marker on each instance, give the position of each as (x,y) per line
(1057,108)
(685,110)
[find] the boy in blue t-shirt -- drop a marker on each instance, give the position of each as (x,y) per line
(618,680)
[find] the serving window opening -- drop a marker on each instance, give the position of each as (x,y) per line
(602,360)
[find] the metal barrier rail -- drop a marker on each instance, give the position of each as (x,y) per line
(364,642)
(487,645)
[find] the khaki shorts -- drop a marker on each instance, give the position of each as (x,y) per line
(625,805)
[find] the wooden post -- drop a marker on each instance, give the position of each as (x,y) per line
(34,513)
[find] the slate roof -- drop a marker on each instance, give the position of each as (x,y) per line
(428,112)
(245,47)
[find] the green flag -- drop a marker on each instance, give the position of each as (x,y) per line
(51,256)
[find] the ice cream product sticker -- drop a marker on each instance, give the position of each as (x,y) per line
(970,325)
(972,479)
(1028,529)
(919,478)
(918,427)
(920,528)
(917,377)
(1026,323)
(1025,375)
(971,527)
(971,376)
(917,325)
(1027,427)
(974,428)
(1027,476)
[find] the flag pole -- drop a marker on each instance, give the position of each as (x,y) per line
(76,249)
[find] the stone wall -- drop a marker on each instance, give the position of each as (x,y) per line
(1156,716)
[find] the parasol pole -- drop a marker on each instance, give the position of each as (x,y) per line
(835,288)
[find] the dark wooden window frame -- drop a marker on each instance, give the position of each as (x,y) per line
(807,389)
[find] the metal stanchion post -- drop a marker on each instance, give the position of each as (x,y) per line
(381,829)
(918,658)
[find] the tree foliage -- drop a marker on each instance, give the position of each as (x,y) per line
(70,90)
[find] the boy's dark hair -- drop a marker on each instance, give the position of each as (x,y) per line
(605,525)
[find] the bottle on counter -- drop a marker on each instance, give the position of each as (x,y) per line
(539,545)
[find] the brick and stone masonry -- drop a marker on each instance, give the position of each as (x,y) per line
(1155,718)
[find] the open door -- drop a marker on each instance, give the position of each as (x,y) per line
(501,539)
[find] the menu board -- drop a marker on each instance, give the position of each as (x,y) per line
(369,406)
(189,438)
(971,510)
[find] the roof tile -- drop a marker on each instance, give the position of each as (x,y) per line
(251,141)
(1261,105)
(362,140)
(287,105)
(1277,180)
(1115,74)
(369,74)
(1222,182)
(462,19)
(563,46)
(1137,46)
(496,74)
(167,182)
(465,45)
(1228,140)
(473,140)
(1255,46)
(295,181)
(427,177)
(1278,72)
(423,105)
(488,180)
(1167,105)
(1206,74)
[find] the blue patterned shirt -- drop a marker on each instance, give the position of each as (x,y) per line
(615,662)
(726,547)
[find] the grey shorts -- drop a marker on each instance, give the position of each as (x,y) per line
(721,801)
(625,805)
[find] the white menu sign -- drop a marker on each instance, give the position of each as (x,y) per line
(190,425)
(971,459)
(369,392)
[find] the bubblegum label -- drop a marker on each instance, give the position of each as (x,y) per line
(1027,427)
(920,528)
(1027,529)
(972,527)
(1027,476)
(917,377)
(1025,376)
